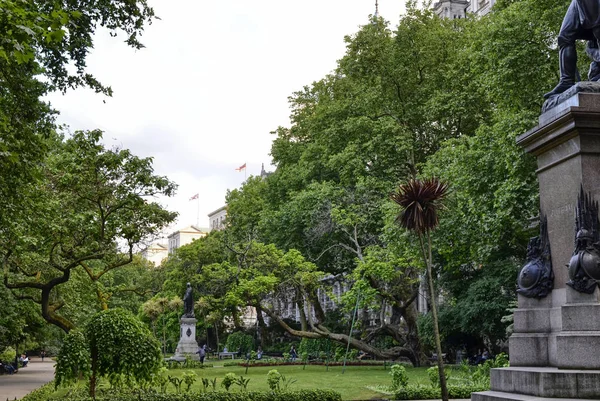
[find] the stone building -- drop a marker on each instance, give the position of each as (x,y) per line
(454,9)
(155,253)
(185,236)
(216,219)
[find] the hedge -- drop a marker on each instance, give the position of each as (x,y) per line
(421,392)
(311,363)
(45,393)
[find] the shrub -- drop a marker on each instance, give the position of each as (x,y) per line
(189,378)
(73,359)
(273,378)
(239,341)
(243,383)
(44,393)
(114,345)
(434,376)
(399,376)
(228,380)
(8,354)
(421,392)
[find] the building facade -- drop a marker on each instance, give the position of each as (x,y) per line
(216,219)
(155,253)
(481,7)
(185,236)
(453,9)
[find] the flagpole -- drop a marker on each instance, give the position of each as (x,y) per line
(198,212)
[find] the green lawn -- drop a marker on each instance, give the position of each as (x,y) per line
(352,384)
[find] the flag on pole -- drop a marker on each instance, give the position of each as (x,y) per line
(242,167)
(194,197)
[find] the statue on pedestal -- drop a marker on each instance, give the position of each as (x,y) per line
(188,302)
(581,22)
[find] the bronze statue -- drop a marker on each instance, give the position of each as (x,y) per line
(584,266)
(581,22)
(536,279)
(188,302)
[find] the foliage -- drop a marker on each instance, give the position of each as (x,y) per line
(114,345)
(434,376)
(399,376)
(431,98)
(81,220)
(273,378)
(419,202)
(189,378)
(228,381)
(240,341)
(121,344)
(421,392)
(243,383)
(42,394)
(285,383)
(8,354)
(482,372)
(73,360)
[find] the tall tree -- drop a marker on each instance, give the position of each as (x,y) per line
(90,211)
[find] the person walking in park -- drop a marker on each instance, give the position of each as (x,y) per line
(202,353)
(43,354)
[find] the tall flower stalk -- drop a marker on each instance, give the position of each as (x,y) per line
(420,201)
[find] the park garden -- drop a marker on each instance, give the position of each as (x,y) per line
(328,252)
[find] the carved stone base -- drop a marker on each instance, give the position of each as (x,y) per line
(541,384)
(187,346)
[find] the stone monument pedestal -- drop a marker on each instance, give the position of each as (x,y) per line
(555,349)
(187,346)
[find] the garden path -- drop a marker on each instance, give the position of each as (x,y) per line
(36,374)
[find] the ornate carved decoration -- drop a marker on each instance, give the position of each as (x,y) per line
(188,332)
(536,279)
(584,266)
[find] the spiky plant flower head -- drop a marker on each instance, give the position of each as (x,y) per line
(420,201)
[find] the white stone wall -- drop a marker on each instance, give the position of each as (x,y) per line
(184,237)
(481,7)
(217,218)
(155,253)
(451,9)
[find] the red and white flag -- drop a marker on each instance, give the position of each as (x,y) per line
(242,167)
(194,197)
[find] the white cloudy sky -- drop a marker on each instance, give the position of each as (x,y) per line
(211,84)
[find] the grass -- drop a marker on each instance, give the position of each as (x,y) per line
(351,385)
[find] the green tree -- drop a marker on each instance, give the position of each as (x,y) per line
(44,48)
(90,211)
(420,201)
(114,343)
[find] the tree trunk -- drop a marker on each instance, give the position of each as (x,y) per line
(261,326)
(436,330)
(94,355)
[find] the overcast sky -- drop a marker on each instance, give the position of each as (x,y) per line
(211,84)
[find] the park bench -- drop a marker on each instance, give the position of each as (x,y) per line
(226,354)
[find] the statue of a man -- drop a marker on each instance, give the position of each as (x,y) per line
(582,22)
(188,302)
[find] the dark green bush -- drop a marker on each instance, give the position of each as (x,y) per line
(239,341)
(420,392)
(44,393)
